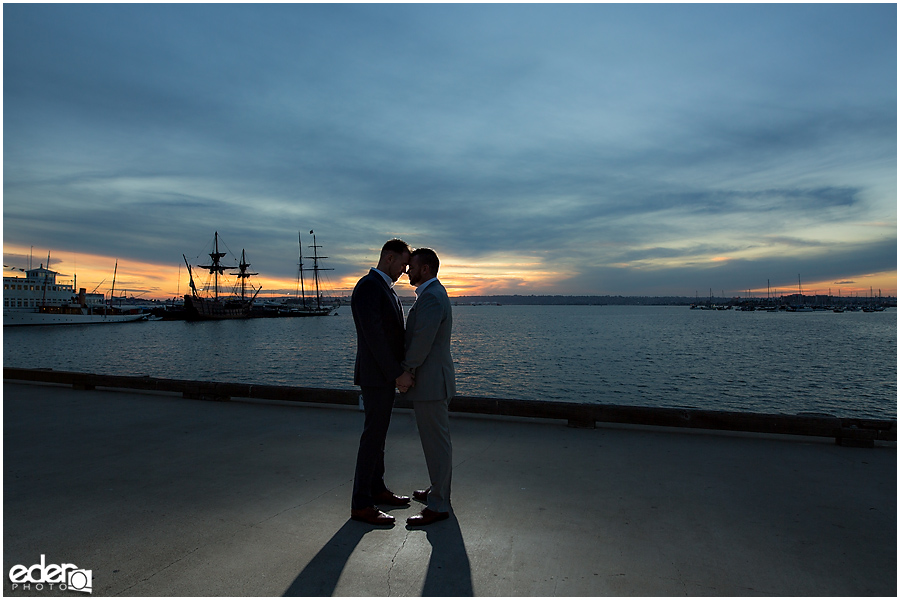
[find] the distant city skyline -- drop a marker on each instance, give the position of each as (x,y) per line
(599,149)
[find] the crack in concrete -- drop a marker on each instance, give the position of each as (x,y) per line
(679,578)
(152,575)
(393,560)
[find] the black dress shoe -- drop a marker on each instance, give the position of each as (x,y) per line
(427,517)
(371,515)
(391,499)
(421,496)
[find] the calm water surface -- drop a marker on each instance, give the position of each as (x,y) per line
(842,364)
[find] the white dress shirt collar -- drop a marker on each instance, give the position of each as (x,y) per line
(422,287)
(387,279)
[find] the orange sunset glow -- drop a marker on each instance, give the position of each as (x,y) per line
(95,273)
(493,275)
(860,285)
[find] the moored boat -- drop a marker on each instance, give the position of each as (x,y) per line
(199,307)
(310,308)
(70,315)
(39,299)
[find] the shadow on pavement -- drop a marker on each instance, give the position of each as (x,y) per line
(320,576)
(449,572)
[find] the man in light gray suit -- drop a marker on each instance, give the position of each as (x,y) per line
(433,383)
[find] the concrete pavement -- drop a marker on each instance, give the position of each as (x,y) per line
(158,496)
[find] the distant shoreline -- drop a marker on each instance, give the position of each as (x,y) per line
(558,300)
(643,300)
(576,300)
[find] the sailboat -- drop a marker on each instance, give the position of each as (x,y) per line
(200,307)
(802,307)
(310,308)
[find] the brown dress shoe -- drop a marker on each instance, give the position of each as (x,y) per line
(391,499)
(421,496)
(427,517)
(371,515)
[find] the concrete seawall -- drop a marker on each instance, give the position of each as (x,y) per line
(845,431)
(158,496)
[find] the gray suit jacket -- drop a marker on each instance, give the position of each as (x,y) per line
(428,357)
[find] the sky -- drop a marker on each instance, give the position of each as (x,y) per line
(579,149)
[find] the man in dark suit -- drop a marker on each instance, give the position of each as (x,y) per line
(380,339)
(428,360)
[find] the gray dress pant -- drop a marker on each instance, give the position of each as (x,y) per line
(433,422)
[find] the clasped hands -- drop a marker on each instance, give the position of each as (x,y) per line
(405,381)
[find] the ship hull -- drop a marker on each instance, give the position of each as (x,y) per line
(207,309)
(21,318)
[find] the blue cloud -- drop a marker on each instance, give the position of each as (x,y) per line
(481,129)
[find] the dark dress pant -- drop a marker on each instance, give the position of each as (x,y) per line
(368,482)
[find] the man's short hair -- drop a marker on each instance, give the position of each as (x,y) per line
(396,246)
(428,257)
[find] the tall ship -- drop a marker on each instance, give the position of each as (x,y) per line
(315,306)
(237,304)
(39,299)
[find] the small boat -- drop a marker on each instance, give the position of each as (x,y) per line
(210,307)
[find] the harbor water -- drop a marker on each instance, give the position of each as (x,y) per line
(843,364)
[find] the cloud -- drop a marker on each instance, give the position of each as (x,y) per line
(575,137)
(828,264)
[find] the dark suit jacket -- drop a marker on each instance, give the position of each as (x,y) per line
(379,332)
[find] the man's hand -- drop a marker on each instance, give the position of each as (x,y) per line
(405,381)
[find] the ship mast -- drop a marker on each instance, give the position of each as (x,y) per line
(316,268)
(242,273)
(112,292)
(190,274)
(46,275)
(300,269)
(215,268)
